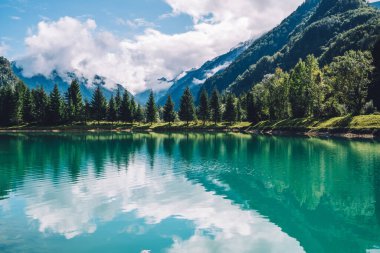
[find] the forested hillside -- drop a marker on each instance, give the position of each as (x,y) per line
(329,30)
(268,44)
(334,28)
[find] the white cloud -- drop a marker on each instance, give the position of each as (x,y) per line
(135,23)
(217,69)
(150,196)
(198,82)
(71,45)
(15,18)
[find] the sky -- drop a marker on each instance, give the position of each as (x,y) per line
(131,42)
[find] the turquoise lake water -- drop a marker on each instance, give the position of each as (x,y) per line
(188,193)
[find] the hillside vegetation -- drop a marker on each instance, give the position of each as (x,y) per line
(366,124)
(268,44)
(325,29)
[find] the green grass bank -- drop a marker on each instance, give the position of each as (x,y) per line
(364,125)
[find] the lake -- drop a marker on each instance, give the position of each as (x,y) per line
(188,193)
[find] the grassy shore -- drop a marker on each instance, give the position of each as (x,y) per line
(119,126)
(358,125)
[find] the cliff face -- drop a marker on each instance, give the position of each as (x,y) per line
(6,74)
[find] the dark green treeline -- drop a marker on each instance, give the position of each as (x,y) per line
(348,85)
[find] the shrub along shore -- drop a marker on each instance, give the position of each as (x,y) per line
(363,126)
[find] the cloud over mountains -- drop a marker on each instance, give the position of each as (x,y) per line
(72,45)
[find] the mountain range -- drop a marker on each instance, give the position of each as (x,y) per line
(63,82)
(325,28)
(376,4)
(195,78)
(250,61)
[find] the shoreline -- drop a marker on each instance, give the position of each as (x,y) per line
(350,127)
(359,133)
(321,134)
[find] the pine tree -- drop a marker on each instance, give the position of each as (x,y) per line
(139,115)
(98,105)
(8,106)
(55,108)
(125,109)
(133,108)
(118,101)
(41,102)
(74,102)
(169,113)
(151,109)
(204,107)
(239,110)
(28,107)
(112,112)
(251,115)
(374,92)
(230,112)
(20,90)
(215,106)
(87,110)
(186,109)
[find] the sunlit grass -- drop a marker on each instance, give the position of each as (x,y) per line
(364,122)
(346,122)
(123,126)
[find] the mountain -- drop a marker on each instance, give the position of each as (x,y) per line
(268,44)
(325,28)
(196,77)
(334,28)
(142,97)
(376,4)
(63,83)
(6,74)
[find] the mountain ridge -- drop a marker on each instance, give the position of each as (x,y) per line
(194,78)
(349,27)
(48,83)
(267,44)
(375,4)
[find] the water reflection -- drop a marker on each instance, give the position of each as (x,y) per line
(188,193)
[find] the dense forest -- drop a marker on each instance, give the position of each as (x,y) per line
(348,85)
(325,28)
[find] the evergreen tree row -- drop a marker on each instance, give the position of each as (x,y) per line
(349,85)
(20,105)
(339,88)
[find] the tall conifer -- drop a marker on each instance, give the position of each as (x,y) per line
(169,113)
